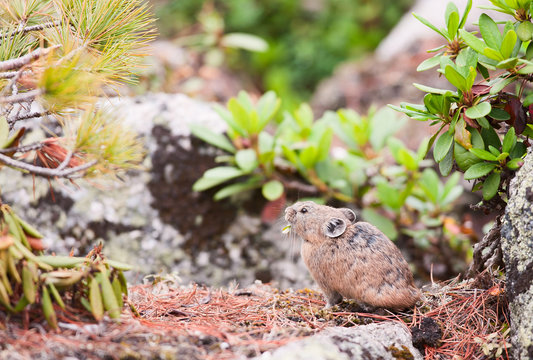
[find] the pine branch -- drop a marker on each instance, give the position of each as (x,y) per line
(8,74)
(22,97)
(26,59)
(37,170)
(22,149)
(27,29)
(36,27)
(27,116)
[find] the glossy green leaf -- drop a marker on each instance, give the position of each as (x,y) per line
(246,159)
(429,182)
(529,51)
(464,158)
(272,190)
(244,41)
(507,63)
(118,291)
(234,128)
(499,114)
(308,156)
(494,151)
(455,78)
(508,43)
(468,7)
(431,90)
(293,158)
(119,265)
(383,124)
(453,23)
(442,146)
(479,170)
(236,189)
(304,116)
(509,141)
(381,222)
(451,191)
(108,296)
(48,308)
(429,63)
(245,101)
(61,261)
(518,150)
(479,110)
(524,30)
(218,140)
(389,196)
(446,165)
(267,106)
(407,159)
(324,144)
(483,154)
(501,158)
(472,41)
(56,295)
(430,25)
(491,185)
(95,300)
(483,122)
(491,138)
(515,163)
(450,9)
(490,32)
(216,176)
(493,54)
(240,115)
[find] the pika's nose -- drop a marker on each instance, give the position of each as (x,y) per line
(289,214)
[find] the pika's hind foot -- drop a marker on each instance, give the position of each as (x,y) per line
(333,298)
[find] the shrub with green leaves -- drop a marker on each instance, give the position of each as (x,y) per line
(485,121)
(399,195)
(307,38)
(57,57)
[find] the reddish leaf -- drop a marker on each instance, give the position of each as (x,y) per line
(36,244)
(462,135)
(530,119)
(471,122)
(518,114)
(480,90)
(272,209)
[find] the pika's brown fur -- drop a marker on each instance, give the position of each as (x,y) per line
(351,259)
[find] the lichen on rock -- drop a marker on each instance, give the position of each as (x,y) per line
(386,340)
(517,248)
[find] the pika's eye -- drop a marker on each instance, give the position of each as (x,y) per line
(304,210)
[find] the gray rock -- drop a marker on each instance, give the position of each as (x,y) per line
(386,340)
(517,248)
(153,219)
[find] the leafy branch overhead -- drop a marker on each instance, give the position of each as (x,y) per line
(56,58)
(485,121)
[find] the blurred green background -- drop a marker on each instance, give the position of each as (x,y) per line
(307,38)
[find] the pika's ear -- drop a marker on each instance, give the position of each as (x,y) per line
(349,214)
(334,227)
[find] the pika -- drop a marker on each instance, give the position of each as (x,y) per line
(351,259)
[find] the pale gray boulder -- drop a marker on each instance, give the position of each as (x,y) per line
(517,249)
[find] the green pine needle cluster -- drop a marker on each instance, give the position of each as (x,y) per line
(101,136)
(67,53)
